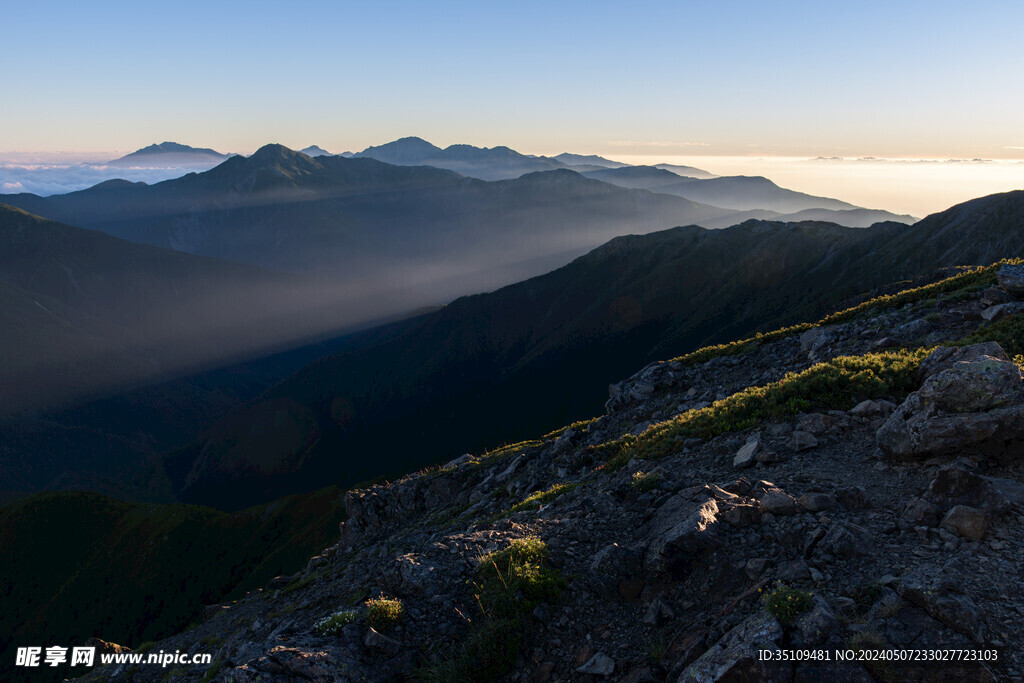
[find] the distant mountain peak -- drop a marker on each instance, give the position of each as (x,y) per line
(315,151)
(173,153)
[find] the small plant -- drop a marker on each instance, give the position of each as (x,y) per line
(535,500)
(384,613)
(866,594)
(332,625)
(645,481)
(785,603)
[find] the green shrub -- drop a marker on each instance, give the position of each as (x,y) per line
(835,384)
(785,603)
(1008,333)
(384,613)
(510,583)
(645,481)
(332,625)
(535,500)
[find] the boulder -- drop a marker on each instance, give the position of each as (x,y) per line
(957,486)
(735,656)
(1011,278)
(974,403)
(919,512)
(618,572)
(937,593)
(801,441)
(966,522)
(846,540)
(777,503)
(684,542)
(816,502)
(1000,311)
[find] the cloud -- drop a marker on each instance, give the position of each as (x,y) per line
(656,143)
(47,179)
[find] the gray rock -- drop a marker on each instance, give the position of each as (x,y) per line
(815,423)
(815,627)
(684,542)
(972,403)
(809,338)
(617,571)
(919,512)
(777,503)
(1000,311)
(937,593)
(747,454)
(735,656)
(816,502)
(966,522)
(801,441)
(846,540)
(598,665)
(957,486)
(459,461)
(1011,278)
(379,642)
(945,357)
(866,408)
(658,612)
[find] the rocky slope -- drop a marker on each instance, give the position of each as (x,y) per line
(851,485)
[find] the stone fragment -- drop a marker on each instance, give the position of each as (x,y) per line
(866,408)
(957,486)
(966,522)
(777,503)
(801,441)
(658,612)
(746,456)
(735,657)
(598,665)
(919,512)
(846,540)
(814,628)
(816,502)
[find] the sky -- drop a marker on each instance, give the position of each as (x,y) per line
(920,79)
(739,78)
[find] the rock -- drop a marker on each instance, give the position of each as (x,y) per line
(459,461)
(854,497)
(742,515)
(801,441)
(937,593)
(846,540)
(754,567)
(1000,311)
(378,642)
(1011,278)
(735,656)
(658,612)
(598,665)
(866,408)
(104,647)
(974,403)
(815,423)
(779,430)
(915,329)
(809,338)
(957,486)
(796,570)
(945,357)
(919,512)
(966,522)
(815,627)
(994,295)
(816,502)
(685,542)
(777,503)
(747,454)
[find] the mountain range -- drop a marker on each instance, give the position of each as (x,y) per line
(487,368)
(171,154)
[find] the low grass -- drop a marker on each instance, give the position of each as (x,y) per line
(383,614)
(510,584)
(955,287)
(835,384)
(1008,333)
(786,604)
(578,425)
(644,481)
(535,500)
(331,625)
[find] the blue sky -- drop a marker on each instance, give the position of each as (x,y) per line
(923,79)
